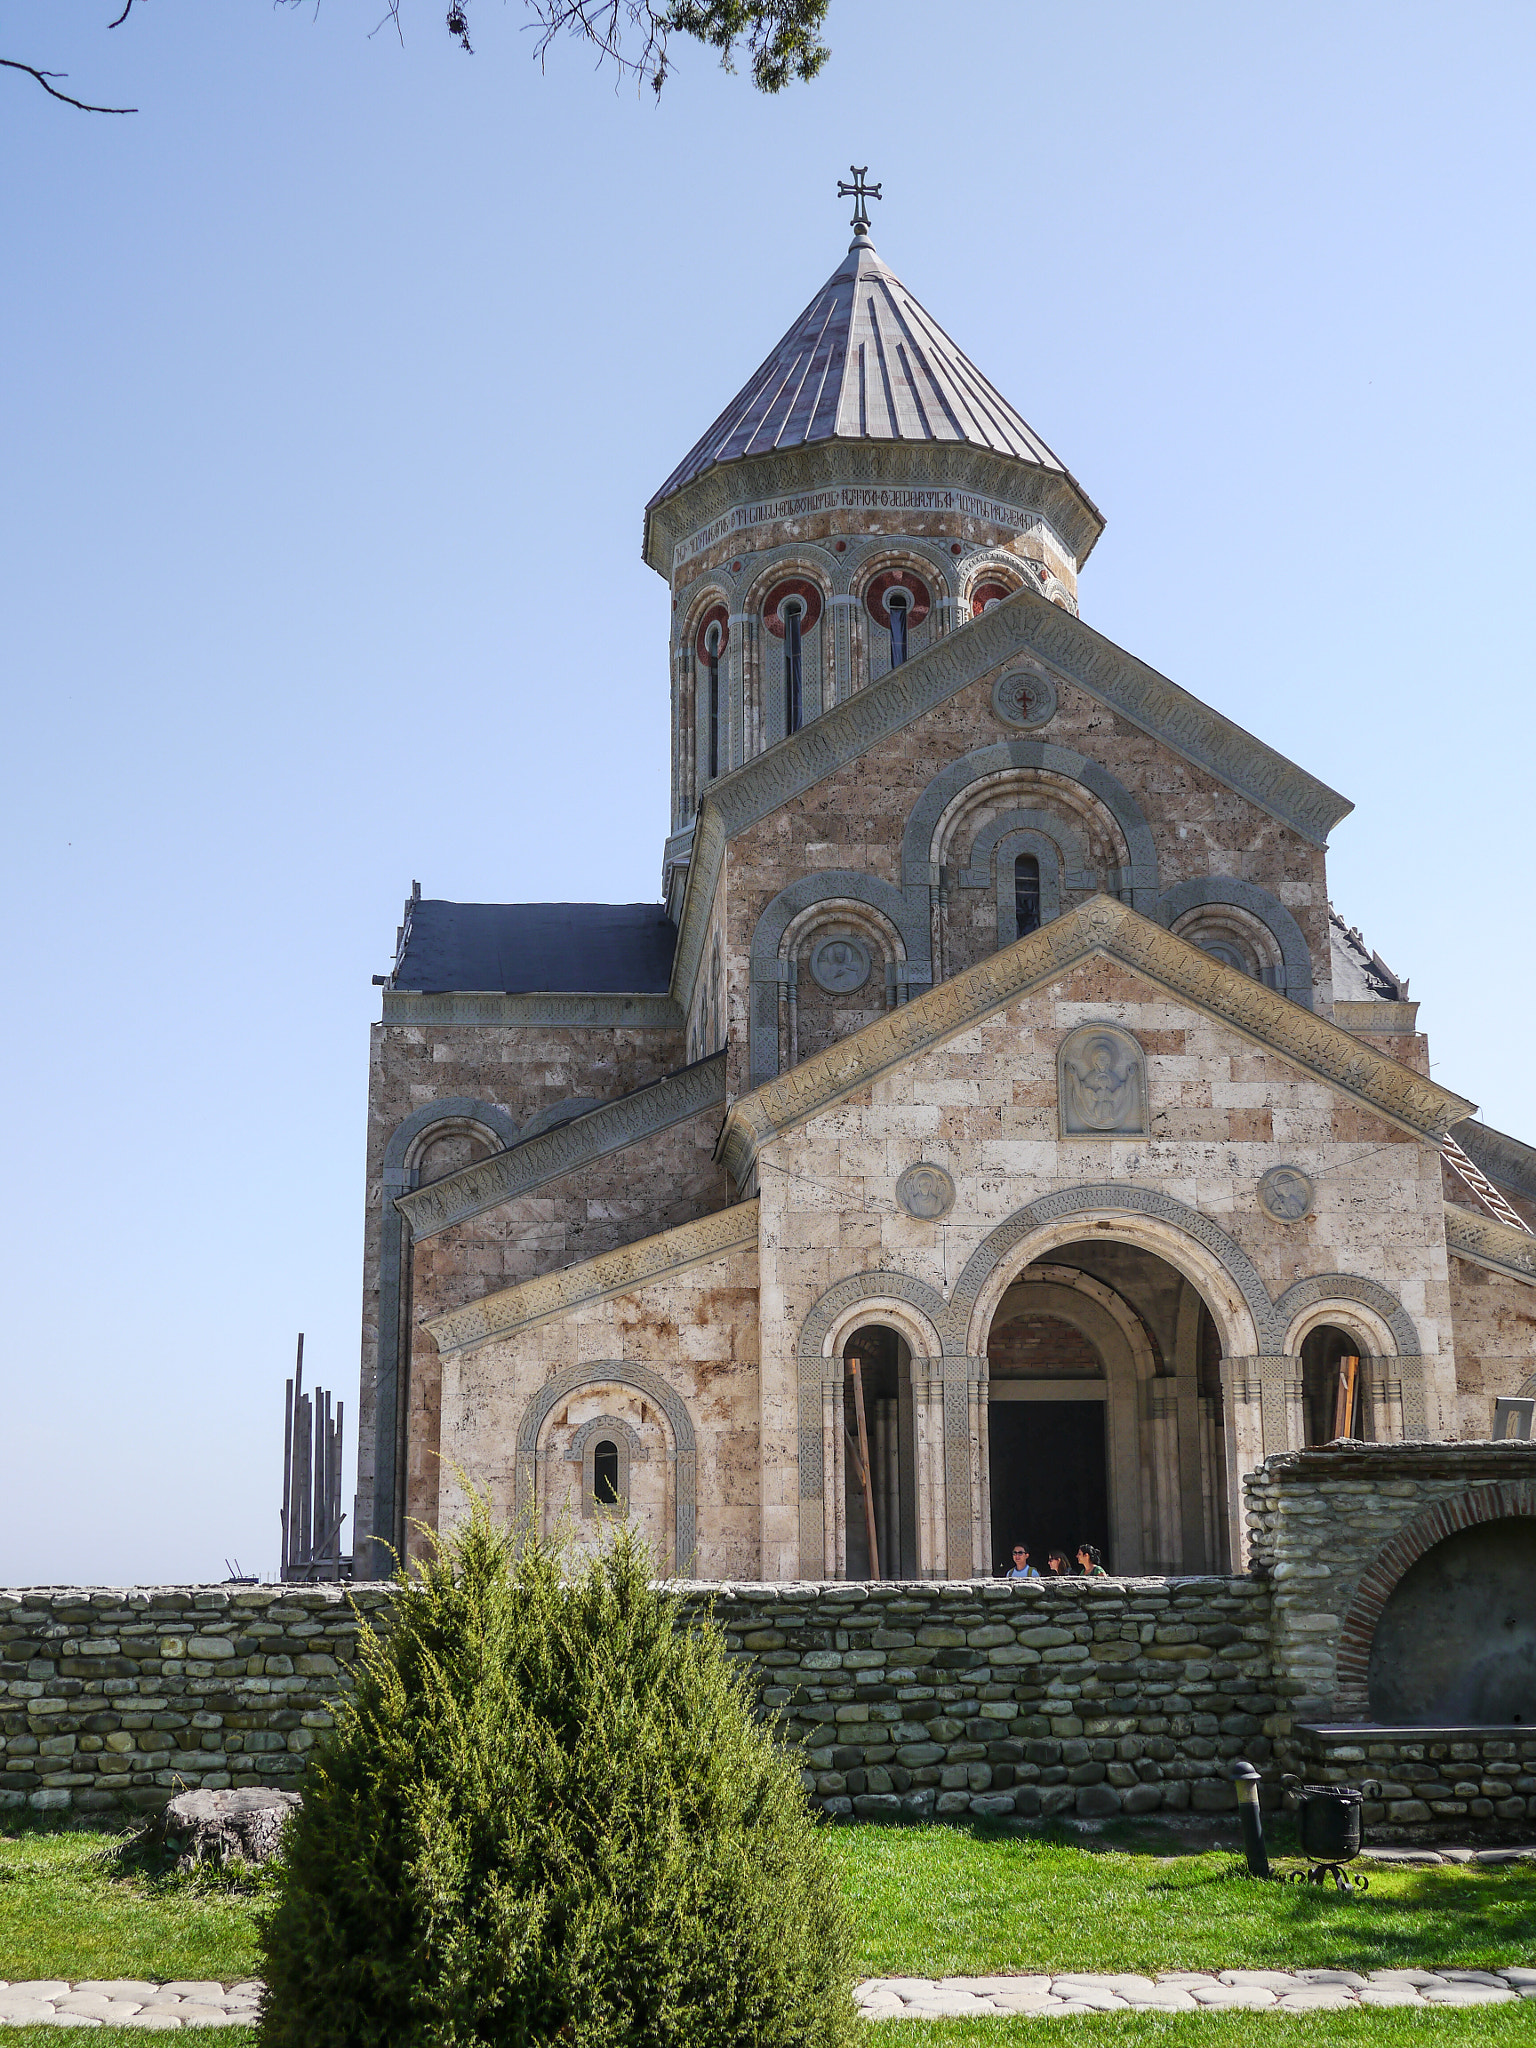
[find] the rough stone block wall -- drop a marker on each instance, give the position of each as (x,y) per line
(117,1699)
(1472,1781)
(1091,1697)
(1319,1519)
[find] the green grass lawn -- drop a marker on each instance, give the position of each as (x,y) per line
(65,1913)
(926,1902)
(941,1901)
(1485,2026)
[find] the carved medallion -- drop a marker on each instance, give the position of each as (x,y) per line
(926,1192)
(1101,1080)
(1285,1194)
(840,965)
(1021,697)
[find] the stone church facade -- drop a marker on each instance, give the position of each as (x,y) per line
(993,1065)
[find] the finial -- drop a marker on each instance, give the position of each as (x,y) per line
(859,193)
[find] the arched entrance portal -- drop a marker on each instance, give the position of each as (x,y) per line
(1104,1413)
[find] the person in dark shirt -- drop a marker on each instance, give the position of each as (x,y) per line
(1059,1566)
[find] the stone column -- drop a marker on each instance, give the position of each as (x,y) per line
(834,1497)
(735,736)
(1261,1407)
(840,628)
(928,1430)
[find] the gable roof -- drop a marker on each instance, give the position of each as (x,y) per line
(865,362)
(1024,624)
(1105,927)
(516,948)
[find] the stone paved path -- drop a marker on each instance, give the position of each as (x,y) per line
(164,2008)
(124,2002)
(931,1998)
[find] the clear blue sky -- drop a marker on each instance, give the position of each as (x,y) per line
(332,386)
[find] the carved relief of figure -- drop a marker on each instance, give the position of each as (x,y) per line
(1101,1079)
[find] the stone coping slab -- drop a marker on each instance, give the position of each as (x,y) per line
(160,2008)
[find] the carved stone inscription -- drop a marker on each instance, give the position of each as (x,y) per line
(1101,1079)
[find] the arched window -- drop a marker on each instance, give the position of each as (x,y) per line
(793,614)
(1026,893)
(896,611)
(712,656)
(605,1473)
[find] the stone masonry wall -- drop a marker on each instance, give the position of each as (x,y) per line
(1087,1697)
(1090,1697)
(118,1699)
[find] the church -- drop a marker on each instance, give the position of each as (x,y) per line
(990,1136)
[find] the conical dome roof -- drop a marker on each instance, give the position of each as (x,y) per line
(864,362)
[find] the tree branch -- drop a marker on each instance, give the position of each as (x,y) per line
(127,10)
(42,77)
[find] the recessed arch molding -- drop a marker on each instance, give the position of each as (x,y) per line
(850,885)
(981,762)
(951,1320)
(1379,1580)
(622,1372)
(1259,903)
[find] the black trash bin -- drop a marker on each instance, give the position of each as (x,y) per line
(1328,1822)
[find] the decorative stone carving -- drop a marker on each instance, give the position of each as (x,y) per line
(926,1192)
(1101,1081)
(621,1372)
(1486,1242)
(1285,1194)
(1102,926)
(1023,698)
(582,1451)
(545,1155)
(840,965)
(670,1251)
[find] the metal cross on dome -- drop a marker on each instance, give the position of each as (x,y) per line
(858,192)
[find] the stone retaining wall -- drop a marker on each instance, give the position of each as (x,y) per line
(114,1699)
(1092,1697)
(1435,1782)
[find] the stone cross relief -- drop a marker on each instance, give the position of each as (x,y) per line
(1102,1084)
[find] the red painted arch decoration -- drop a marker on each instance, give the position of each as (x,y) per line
(1379,1581)
(717,615)
(795,586)
(898,579)
(990,592)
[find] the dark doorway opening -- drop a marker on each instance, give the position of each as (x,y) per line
(1050,1488)
(885,1369)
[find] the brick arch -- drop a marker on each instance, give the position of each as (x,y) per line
(1502,1501)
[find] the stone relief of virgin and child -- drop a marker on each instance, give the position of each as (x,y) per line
(1102,1083)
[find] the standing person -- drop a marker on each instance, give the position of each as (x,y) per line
(1088,1562)
(1021,1567)
(1059,1567)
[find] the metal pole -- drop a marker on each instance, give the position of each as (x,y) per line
(869,1491)
(1247,1780)
(287,1473)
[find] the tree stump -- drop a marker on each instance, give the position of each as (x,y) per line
(244,1826)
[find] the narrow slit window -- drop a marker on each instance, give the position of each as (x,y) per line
(793,613)
(605,1474)
(896,611)
(1026,893)
(712,651)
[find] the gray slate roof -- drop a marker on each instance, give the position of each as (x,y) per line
(518,948)
(1359,975)
(863,362)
